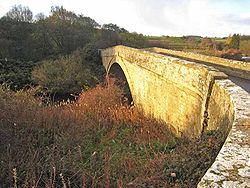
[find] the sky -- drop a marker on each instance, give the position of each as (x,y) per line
(212,18)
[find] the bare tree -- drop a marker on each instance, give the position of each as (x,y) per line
(20,13)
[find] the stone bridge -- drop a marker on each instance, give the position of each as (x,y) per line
(192,95)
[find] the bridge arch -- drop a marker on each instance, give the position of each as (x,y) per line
(121,77)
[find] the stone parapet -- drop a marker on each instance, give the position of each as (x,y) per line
(231,67)
(232,165)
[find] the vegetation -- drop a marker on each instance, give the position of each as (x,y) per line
(20,13)
(96,142)
(233,41)
(26,42)
(245,46)
(232,47)
(69,74)
(15,73)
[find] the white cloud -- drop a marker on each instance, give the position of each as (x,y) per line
(161,17)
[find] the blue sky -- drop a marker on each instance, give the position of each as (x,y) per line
(156,17)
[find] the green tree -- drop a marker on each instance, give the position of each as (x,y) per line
(114,27)
(87,22)
(16,39)
(133,39)
(15,34)
(69,31)
(233,41)
(42,38)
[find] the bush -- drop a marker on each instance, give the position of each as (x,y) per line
(17,74)
(231,54)
(69,74)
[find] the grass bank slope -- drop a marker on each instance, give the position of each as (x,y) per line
(95,142)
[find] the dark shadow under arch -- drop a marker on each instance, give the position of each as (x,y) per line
(117,73)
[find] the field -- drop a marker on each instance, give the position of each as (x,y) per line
(97,141)
(208,46)
(176,43)
(245,47)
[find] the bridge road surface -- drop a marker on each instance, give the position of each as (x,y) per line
(243,83)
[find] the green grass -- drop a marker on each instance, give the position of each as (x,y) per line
(177,43)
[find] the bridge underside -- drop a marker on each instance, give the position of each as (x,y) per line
(116,73)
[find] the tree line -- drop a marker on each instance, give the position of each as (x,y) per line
(45,43)
(25,38)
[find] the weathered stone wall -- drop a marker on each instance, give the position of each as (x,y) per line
(220,109)
(169,89)
(232,165)
(231,67)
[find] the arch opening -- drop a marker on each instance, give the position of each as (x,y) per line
(121,81)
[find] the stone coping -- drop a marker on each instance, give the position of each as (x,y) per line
(232,165)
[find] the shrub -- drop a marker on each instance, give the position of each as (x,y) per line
(231,54)
(16,73)
(69,74)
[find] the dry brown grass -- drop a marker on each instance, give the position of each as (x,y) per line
(95,142)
